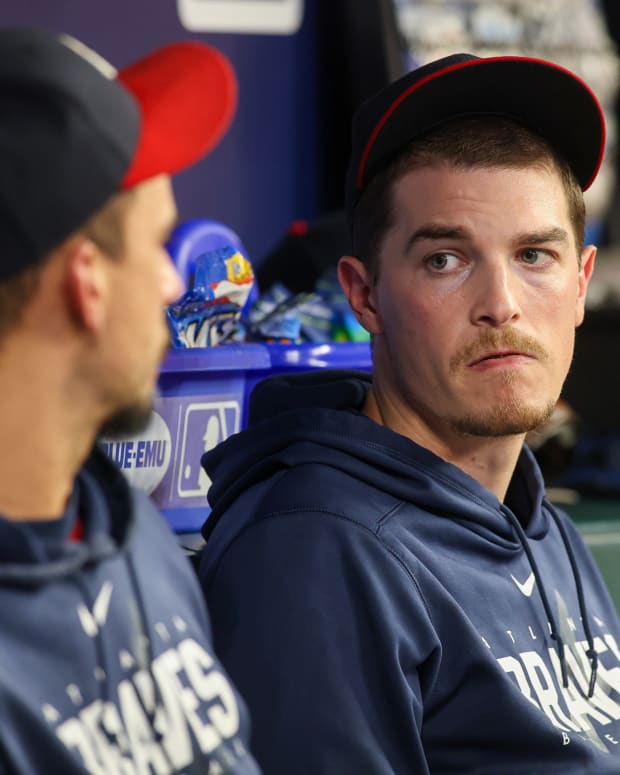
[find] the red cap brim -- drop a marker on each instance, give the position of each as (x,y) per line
(187,94)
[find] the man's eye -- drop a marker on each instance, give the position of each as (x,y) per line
(534,256)
(441,262)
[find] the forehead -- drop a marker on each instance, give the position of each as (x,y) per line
(488,197)
(152,199)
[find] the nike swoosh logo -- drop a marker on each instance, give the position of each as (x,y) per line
(92,621)
(527,587)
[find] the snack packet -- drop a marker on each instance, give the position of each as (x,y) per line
(210,313)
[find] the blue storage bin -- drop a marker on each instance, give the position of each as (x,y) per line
(201,401)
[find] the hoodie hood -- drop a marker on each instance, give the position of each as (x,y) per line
(38,551)
(319,420)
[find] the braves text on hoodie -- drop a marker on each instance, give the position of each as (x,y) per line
(382,612)
(105,658)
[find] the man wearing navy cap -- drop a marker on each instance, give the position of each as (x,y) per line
(413,602)
(105,657)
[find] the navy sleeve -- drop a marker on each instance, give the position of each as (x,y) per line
(313,618)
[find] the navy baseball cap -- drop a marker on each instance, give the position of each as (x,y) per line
(73,131)
(542,96)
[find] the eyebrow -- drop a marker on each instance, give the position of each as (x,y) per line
(437,231)
(552,234)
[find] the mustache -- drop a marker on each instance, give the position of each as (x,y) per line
(492,341)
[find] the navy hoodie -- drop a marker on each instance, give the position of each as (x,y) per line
(382,612)
(105,663)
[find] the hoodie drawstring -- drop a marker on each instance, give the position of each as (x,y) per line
(102,660)
(145,659)
(591,653)
(150,655)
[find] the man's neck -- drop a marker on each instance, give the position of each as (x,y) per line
(43,444)
(490,461)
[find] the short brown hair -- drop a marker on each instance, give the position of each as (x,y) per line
(106,228)
(15,293)
(462,143)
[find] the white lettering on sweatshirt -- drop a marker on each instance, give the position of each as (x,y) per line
(142,737)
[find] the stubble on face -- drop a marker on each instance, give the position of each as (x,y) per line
(510,414)
(127,421)
(134,416)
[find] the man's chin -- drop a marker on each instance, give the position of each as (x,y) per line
(503,420)
(128,421)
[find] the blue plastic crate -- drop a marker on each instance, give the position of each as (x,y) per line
(201,401)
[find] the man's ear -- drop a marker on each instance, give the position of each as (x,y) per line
(360,291)
(588,256)
(87,283)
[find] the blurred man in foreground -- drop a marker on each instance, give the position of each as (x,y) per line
(105,648)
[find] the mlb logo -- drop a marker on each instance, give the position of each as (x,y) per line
(204,426)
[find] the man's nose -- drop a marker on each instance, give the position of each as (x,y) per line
(497,299)
(172,284)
